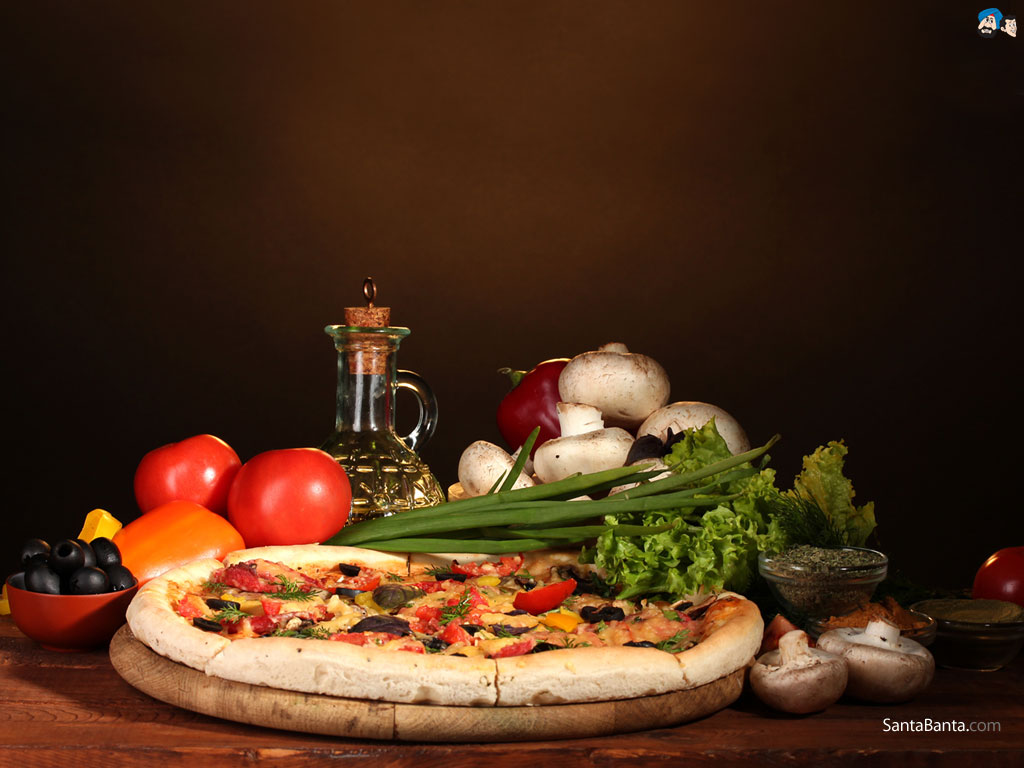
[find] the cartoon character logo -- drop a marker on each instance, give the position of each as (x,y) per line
(988,22)
(1009,25)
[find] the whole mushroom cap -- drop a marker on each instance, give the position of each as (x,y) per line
(482,464)
(592,451)
(796,678)
(627,387)
(691,414)
(883,667)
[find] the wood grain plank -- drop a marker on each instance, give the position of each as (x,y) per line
(62,709)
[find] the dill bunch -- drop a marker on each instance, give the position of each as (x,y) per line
(803,521)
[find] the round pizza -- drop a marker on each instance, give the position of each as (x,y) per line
(465,630)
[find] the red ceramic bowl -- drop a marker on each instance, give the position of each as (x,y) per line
(67,622)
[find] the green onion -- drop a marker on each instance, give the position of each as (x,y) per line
(538,510)
(477,546)
(520,462)
(579,532)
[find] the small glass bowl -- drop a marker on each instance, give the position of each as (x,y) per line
(980,646)
(815,594)
(923,635)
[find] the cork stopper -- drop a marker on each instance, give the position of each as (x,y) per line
(369,316)
(368,352)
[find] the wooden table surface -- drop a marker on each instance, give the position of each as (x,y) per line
(66,710)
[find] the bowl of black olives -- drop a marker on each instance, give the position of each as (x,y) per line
(71,596)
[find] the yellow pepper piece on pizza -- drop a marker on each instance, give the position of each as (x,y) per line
(564,620)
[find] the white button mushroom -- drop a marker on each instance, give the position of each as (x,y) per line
(482,464)
(649,464)
(592,450)
(690,414)
(626,387)
(883,667)
(797,678)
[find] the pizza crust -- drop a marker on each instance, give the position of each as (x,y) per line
(358,672)
(586,674)
(153,620)
(729,643)
(299,556)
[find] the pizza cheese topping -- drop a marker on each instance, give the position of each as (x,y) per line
(490,609)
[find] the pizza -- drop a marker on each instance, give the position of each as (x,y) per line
(460,630)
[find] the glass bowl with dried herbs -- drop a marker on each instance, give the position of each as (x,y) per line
(812,582)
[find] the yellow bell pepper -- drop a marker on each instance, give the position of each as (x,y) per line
(488,581)
(249,606)
(5,607)
(564,620)
(99,523)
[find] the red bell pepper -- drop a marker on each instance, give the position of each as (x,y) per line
(544,598)
(531,403)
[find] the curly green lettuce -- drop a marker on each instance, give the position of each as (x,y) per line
(823,481)
(712,549)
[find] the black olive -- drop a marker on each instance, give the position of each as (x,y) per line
(346,592)
(526,583)
(206,624)
(541,647)
(90,555)
(32,550)
(89,581)
(349,570)
(645,447)
(39,558)
(682,606)
(222,605)
(40,577)
(67,556)
(516,612)
(449,576)
(471,628)
(107,552)
(390,624)
(640,644)
(120,578)
(434,643)
(592,614)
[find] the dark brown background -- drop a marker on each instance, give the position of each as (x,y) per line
(806,213)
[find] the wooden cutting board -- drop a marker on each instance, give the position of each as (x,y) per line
(355,718)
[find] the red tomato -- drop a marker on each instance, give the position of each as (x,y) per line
(1001,577)
(544,598)
(289,496)
(779,626)
(199,469)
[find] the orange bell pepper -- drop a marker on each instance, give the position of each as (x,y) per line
(174,534)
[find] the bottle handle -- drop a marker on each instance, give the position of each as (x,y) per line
(427,422)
